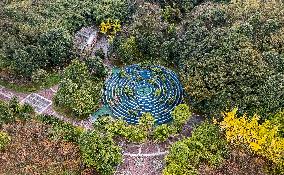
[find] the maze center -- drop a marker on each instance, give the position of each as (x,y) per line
(134,90)
(144,90)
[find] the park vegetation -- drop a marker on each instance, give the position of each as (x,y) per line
(37,36)
(146,129)
(229,56)
(79,92)
(205,145)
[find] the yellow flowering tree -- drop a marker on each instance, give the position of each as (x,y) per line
(263,139)
(110,27)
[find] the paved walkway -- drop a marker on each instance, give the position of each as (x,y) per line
(44,102)
(138,159)
(148,158)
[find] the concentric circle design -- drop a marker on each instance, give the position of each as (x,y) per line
(138,89)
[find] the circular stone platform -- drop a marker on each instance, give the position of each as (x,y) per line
(138,89)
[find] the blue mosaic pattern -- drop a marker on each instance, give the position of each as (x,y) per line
(135,90)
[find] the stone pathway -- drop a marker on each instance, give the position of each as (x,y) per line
(144,159)
(138,159)
(42,102)
(148,158)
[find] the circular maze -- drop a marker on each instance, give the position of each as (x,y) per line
(138,89)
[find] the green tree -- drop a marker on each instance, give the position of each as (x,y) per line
(22,63)
(206,145)
(149,38)
(225,62)
(181,115)
(57,46)
(78,93)
(96,67)
(100,151)
(111,9)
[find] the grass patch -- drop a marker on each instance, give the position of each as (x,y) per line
(51,80)
(61,110)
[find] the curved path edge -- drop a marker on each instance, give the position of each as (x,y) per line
(138,159)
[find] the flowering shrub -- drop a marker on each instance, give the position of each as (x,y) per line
(110,27)
(4,140)
(262,139)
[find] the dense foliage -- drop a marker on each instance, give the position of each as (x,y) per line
(100,151)
(146,128)
(148,38)
(181,114)
(263,139)
(9,113)
(30,147)
(96,67)
(79,93)
(184,6)
(111,9)
(38,34)
(278,120)
(64,131)
(60,130)
(6,115)
(231,57)
(134,133)
(227,54)
(205,146)
(13,110)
